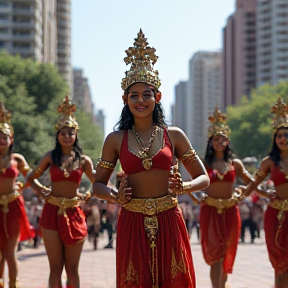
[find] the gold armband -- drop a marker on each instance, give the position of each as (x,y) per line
(38,171)
(260,173)
(246,173)
(105,164)
(26,168)
(189,156)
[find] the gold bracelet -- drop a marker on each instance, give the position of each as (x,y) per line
(260,173)
(38,171)
(105,164)
(186,185)
(189,156)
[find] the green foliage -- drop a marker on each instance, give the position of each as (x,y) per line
(251,121)
(32,91)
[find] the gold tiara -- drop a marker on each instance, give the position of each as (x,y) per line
(142,59)
(5,121)
(67,118)
(218,124)
(280,110)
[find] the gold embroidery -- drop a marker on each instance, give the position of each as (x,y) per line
(132,274)
(151,228)
(177,267)
(189,156)
(105,164)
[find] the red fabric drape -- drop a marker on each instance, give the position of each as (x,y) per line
(277,244)
(133,252)
(14,221)
(219,235)
(72,228)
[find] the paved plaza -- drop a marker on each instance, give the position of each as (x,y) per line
(97,268)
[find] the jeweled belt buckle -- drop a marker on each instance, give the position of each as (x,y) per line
(150,207)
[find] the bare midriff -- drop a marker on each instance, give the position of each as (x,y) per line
(7,185)
(282,191)
(220,190)
(149,184)
(66,189)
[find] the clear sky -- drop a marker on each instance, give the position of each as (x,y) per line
(103,29)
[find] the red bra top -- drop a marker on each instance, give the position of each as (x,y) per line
(10,172)
(133,164)
(277,176)
(57,174)
(215,176)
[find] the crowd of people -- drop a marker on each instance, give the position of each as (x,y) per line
(153,230)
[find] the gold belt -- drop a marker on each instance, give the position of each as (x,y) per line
(63,203)
(220,204)
(281,205)
(8,198)
(151,206)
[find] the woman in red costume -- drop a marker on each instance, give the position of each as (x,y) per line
(152,248)
(276,216)
(13,218)
(62,222)
(219,215)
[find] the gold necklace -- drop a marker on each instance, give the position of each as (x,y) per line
(65,171)
(147,161)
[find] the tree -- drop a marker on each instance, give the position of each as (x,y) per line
(32,91)
(251,121)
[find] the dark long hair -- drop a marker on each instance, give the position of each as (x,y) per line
(210,153)
(57,152)
(10,149)
(275,151)
(126,120)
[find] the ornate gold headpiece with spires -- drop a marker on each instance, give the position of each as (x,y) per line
(218,124)
(67,118)
(142,59)
(280,109)
(5,121)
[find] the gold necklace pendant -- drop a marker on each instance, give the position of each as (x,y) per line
(147,163)
(66,173)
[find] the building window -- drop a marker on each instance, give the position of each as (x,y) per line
(4,17)
(4,30)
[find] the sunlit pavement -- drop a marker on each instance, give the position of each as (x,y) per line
(97,268)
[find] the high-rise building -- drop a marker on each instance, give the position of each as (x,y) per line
(49,32)
(64,40)
(272,41)
(21,28)
(203,93)
(178,110)
(239,53)
(81,94)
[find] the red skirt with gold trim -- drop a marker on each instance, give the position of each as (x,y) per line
(219,235)
(14,223)
(277,242)
(174,266)
(72,229)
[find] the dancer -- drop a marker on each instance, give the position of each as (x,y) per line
(219,215)
(62,223)
(276,216)
(152,247)
(13,219)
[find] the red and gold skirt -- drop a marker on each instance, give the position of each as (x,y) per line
(153,249)
(276,234)
(65,216)
(220,226)
(13,219)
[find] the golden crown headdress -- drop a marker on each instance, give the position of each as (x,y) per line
(67,118)
(280,109)
(5,121)
(218,124)
(142,59)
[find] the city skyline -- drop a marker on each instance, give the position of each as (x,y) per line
(99,43)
